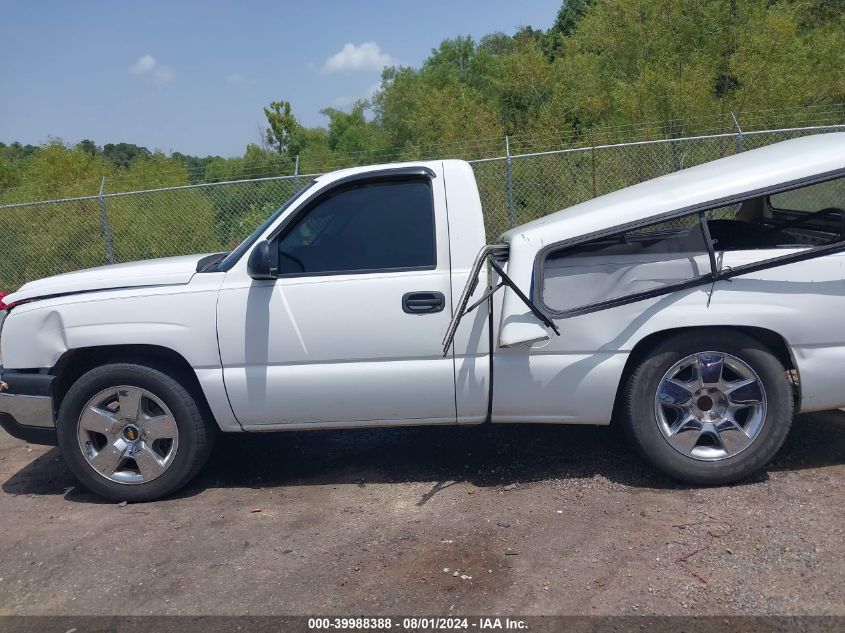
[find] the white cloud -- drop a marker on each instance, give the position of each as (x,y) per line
(145,64)
(148,66)
(239,79)
(363,57)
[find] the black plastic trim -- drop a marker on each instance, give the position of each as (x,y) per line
(27,383)
(32,434)
(210,260)
(773,262)
(491,342)
(423,302)
(360,271)
(708,241)
(530,304)
(633,298)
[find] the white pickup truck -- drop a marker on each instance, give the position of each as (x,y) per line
(700,310)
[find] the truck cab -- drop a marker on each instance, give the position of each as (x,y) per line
(346,327)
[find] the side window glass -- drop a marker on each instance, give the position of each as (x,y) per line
(375,226)
(812,215)
(812,198)
(626,263)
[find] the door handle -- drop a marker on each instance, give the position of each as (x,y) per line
(423,302)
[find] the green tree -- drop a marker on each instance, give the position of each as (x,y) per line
(121,154)
(88,146)
(195,165)
(568,17)
(635,60)
(149,172)
(351,133)
(56,171)
(313,150)
(283,125)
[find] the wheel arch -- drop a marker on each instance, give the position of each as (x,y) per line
(770,339)
(76,362)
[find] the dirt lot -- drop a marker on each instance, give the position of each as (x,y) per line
(509,520)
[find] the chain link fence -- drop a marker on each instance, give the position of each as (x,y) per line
(521,188)
(49,237)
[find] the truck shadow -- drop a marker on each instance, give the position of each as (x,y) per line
(488,455)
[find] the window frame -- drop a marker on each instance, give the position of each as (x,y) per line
(411,174)
(794,216)
(793,211)
(716,273)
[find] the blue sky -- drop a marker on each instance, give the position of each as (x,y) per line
(193,76)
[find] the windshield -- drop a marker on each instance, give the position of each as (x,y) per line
(235,255)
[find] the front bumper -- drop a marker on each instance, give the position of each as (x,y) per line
(26,406)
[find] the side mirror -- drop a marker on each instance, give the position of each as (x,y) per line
(263,261)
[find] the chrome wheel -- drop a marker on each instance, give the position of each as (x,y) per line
(710,406)
(127,435)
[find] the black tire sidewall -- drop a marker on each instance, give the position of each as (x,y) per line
(643,428)
(178,400)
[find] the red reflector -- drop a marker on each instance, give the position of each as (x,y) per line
(3,304)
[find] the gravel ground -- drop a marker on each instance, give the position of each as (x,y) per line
(506,519)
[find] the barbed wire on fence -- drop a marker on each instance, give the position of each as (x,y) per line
(530,143)
(46,237)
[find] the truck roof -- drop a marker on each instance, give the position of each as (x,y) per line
(731,177)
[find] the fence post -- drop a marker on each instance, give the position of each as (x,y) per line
(104,221)
(509,178)
(740,140)
(296,172)
(593,160)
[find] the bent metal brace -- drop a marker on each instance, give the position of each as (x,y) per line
(489,254)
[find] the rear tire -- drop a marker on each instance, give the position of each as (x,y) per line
(708,407)
(132,433)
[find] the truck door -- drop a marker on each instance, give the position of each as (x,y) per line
(349,333)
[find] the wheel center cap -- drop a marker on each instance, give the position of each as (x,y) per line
(131,433)
(704,403)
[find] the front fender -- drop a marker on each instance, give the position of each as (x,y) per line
(36,334)
(182,319)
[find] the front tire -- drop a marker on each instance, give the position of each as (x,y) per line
(708,408)
(132,433)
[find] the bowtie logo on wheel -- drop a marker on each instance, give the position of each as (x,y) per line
(131,433)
